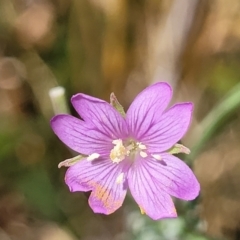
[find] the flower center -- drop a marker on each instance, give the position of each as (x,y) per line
(129,148)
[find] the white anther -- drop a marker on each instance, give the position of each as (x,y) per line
(143,154)
(117,141)
(141,146)
(157,156)
(93,156)
(117,160)
(120,178)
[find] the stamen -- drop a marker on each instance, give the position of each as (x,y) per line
(117,141)
(120,178)
(128,148)
(119,152)
(141,146)
(93,156)
(157,156)
(143,154)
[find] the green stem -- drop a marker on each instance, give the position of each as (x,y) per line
(215,118)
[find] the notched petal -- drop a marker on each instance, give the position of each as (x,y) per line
(104,200)
(101,115)
(175,177)
(148,193)
(169,129)
(148,107)
(100,177)
(79,136)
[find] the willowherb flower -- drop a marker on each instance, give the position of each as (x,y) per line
(134,151)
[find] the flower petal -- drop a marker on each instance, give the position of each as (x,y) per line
(169,129)
(148,194)
(79,136)
(147,108)
(101,114)
(174,176)
(100,176)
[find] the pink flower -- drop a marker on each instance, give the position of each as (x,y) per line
(129,152)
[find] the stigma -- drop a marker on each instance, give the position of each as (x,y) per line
(119,152)
(128,148)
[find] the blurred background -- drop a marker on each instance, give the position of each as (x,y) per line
(121,46)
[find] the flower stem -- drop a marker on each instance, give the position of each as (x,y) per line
(58,99)
(212,122)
